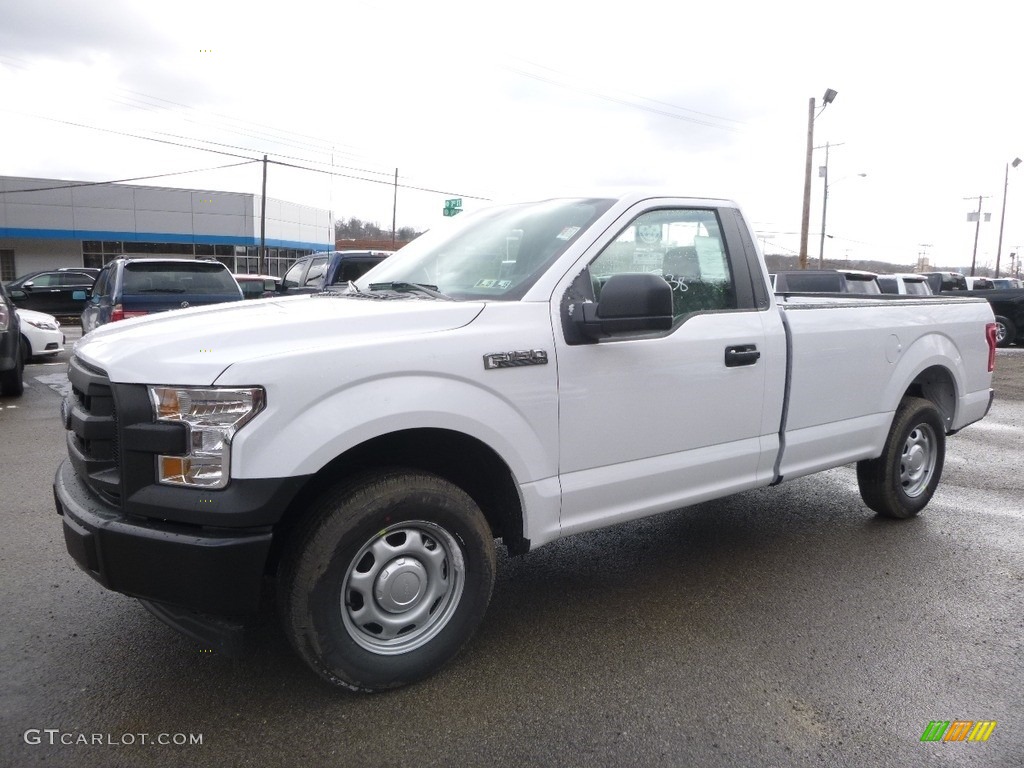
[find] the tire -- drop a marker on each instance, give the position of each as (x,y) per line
(12,382)
(425,537)
(1006,331)
(26,350)
(901,481)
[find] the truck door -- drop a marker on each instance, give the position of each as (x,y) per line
(652,421)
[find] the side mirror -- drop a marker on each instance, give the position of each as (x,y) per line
(629,303)
(79,295)
(28,285)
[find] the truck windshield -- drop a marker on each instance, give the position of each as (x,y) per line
(496,253)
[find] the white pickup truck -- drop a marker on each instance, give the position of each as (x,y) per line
(529,372)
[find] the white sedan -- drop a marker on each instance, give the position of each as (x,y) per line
(40,333)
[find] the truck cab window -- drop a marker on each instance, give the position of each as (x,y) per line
(685,247)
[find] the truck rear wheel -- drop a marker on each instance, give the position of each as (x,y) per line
(901,481)
(388,580)
(1006,331)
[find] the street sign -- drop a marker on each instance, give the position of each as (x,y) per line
(452,207)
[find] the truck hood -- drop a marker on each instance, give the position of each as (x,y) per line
(194,346)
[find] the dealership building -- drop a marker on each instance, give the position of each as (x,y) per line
(49,223)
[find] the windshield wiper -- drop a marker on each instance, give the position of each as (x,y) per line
(402,287)
(162,290)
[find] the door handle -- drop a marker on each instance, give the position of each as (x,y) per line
(744,354)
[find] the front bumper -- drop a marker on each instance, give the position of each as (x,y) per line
(213,571)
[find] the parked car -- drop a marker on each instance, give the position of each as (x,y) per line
(12,362)
(979,284)
(258,286)
(40,334)
(1008,307)
(944,282)
(135,287)
(826,281)
(904,284)
(52,291)
(315,272)
(1003,283)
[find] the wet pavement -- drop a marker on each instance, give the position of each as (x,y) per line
(783,627)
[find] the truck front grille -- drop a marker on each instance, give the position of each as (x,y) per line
(90,416)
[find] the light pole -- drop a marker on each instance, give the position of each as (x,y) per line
(1002,218)
(805,221)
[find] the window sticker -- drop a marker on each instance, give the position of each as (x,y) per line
(649,233)
(488,283)
(503,284)
(567,233)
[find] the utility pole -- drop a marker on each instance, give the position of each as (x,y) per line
(394,211)
(977,230)
(263,222)
(824,208)
(805,222)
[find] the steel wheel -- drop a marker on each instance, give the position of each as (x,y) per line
(403,587)
(386,579)
(918,461)
(901,481)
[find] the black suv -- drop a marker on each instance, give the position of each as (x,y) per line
(315,272)
(12,363)
(135,287)
(52,291)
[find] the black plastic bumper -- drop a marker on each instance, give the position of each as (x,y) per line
(212,571)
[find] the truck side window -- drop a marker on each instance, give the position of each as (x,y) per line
(294,274)
(317,269)
(684,246)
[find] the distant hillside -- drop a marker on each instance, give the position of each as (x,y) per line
(781,263)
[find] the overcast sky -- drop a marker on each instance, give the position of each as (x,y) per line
(511,101)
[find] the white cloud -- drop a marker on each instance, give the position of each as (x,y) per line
(506,100)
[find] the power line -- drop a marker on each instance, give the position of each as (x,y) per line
(122,181)
(379,181)
(123,133)
(623,102)
(635,95)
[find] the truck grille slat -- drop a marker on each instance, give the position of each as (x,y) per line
(91,416)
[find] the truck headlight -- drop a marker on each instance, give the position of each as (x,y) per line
(211,416)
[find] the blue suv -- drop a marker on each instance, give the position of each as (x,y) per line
(135,287)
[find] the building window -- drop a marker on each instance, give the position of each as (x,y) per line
(6,265)
(96,254)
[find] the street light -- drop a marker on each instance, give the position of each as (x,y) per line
(1002,218)
(805,222)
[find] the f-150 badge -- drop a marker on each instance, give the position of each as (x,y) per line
(515,359)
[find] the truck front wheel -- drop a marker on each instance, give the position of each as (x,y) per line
(388,580)
(901,481)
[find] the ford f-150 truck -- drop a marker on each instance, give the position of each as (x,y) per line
(525,373)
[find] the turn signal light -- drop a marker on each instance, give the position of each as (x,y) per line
(990,337)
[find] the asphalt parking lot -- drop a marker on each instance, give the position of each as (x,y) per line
(780,627)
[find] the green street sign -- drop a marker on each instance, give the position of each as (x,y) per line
(452,207)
